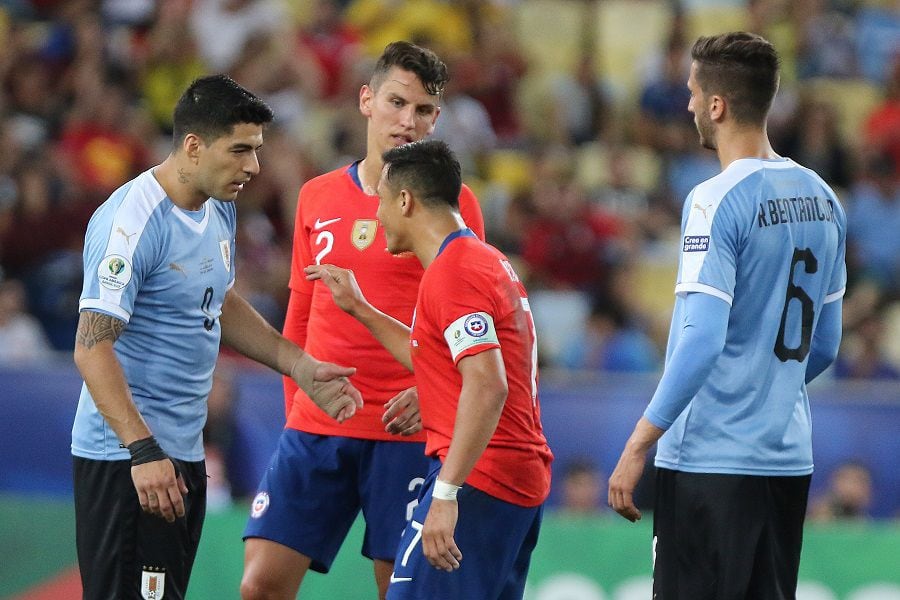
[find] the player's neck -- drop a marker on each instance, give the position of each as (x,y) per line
(369,172)
(177,182)
(432,234)
(743,142)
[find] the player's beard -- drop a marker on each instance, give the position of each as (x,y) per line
(706,130)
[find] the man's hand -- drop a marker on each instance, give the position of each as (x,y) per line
(630,467)
(401,413)
(438,544)
(622,483)
(159,491)
(342,285)
(330,389)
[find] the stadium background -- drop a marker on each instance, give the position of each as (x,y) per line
(570,119)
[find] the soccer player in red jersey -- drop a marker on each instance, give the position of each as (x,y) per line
(472,347)
(324,472)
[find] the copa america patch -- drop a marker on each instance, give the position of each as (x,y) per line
(153,583)
(696,243)
(114,272)
(470,330)
(259,506)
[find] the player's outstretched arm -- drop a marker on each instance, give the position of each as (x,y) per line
(391,333)
(159,489)
(826,339)
(326,384)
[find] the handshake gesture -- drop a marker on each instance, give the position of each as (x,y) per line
(327,386)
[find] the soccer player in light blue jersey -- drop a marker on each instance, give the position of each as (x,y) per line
(757,316)
(157,300)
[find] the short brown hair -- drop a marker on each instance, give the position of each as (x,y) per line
(430,69)
(741,67)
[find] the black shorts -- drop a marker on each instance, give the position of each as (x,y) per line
(727,537)
(121,549)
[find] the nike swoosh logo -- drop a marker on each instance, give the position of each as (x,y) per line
(395,579)
(320,224)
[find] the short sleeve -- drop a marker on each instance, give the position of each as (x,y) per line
(119,252)
(709,248)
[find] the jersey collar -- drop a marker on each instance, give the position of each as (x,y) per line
(353,171)
(465,232)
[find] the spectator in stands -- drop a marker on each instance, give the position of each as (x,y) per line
(334,44)
(465,123)
(815,142)
(172,61)
(848,497)
(22,339)
(223,27)
(613,341)
(882,128)
(874,219)
(568,244)
(582,484)
(826,41)
(664,122)
(862,354)
(41,244)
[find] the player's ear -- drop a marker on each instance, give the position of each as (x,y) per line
(366,94)
(191,145)
(407,200)
(717,106)
(437,112)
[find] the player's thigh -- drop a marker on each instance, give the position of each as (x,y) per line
(106,512)
(124,552)
(495,537)
(391,477)
(165,551)
(706,532)
(308,499)
(778,552)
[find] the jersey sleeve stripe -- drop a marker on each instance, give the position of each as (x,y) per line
(835,295)
(105,307)
(684,288)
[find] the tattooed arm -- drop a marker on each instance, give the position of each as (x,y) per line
(159,491)
(104,377)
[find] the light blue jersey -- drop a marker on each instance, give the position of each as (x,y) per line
(164,271)
(768,238)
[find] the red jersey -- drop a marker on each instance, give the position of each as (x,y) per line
(471,300)
(336,224)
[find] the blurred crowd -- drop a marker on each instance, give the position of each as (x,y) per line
(569,117)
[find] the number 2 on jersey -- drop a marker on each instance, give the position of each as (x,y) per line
(807,315)
(328,238)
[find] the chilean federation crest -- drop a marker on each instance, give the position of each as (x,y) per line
(363,233)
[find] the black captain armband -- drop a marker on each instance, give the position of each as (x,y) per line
(146,450)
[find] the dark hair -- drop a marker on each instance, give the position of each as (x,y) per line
(428,168)
(213,105)
(742,68)
(430,69)
(580,465)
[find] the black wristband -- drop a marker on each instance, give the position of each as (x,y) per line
(145,450)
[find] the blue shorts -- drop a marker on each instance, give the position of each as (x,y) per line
(496,539)
(316,485)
